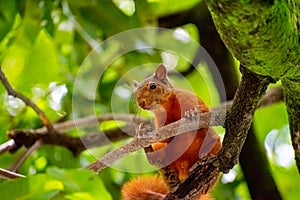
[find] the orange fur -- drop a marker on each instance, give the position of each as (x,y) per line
(143,188)
(182,153)
(179,153)
(149,188)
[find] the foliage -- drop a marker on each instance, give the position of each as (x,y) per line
(43,49)
(56,184)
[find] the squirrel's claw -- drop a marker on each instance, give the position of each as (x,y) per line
(192,114)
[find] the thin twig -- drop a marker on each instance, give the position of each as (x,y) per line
(117,154)
(10,144)
(21,160)
(9,175)
(78,144)
(27,101)
(91,120)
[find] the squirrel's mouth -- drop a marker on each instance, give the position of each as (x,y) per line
(145,106)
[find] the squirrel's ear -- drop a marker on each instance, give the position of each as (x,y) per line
(135,83)
(161,72)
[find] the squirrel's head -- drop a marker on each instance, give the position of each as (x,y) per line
(155,89)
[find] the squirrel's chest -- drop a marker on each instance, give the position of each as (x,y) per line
(168,114)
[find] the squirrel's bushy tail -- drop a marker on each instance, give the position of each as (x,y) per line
(142,188)
(149,188)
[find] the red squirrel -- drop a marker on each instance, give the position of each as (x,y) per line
(174,156)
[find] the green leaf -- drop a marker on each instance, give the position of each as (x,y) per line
(56,183)
(40,65)
(31,24)
(84,181)
(167,7)
(268,118)
(7,15)
(103,14)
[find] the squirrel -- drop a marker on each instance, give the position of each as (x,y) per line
(174,156)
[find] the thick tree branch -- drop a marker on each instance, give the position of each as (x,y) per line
(239,119)
(292,97)
(264,36)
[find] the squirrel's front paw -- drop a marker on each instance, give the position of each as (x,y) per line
(192,114)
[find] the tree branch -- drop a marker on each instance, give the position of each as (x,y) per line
(237,123)
(27,101)
(76,144)
(212,43)
(9,175)
(21,160)
(47,123)
(7,146)
(145,138)
(292,94)
(91,120)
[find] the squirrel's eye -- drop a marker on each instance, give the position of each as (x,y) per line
(152,86)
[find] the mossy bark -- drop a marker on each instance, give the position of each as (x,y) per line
(292,98)
(265,37)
